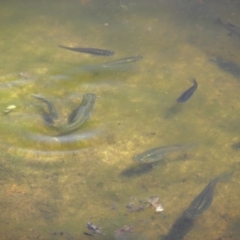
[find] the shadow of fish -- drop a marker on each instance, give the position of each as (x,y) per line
(122,61)
(188,93)
(227,66)
(138,170)
(174,109)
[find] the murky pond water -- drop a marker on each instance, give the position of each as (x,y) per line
(54,183)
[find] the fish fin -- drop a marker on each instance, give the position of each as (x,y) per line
(194,81)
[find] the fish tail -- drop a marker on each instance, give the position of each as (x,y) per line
(194,81)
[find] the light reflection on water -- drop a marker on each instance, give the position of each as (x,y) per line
(63,139)
(53,184)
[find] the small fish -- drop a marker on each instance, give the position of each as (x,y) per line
(93,51)
(52,115)
(188,93)
(158,153)
(123,61)
(79,115)
(229,26)
(88,99)
(204,200)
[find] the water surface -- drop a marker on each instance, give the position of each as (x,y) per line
(52,184)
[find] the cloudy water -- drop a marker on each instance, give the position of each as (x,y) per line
(137,58)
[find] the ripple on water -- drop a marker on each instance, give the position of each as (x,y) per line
(69,138)
(26,137)
(50,147)
(15,80)
(23,129)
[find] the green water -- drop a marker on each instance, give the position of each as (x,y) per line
(53,185)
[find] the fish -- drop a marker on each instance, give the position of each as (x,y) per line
(227,66)
(158,153)
(88,99)
(179,229)
(79,115)
(229,26)
(93,51)
(52,115)
(188,93)
(123,61)
(204,199)
(198,206)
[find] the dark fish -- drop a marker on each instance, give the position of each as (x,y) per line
(79,115)
(180,228)
(227,66)
(229,26)
(52,115)
(188,93)
(123,61)
(204,200)
(74,114)
(94,51)
(198,206)
(158,153)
